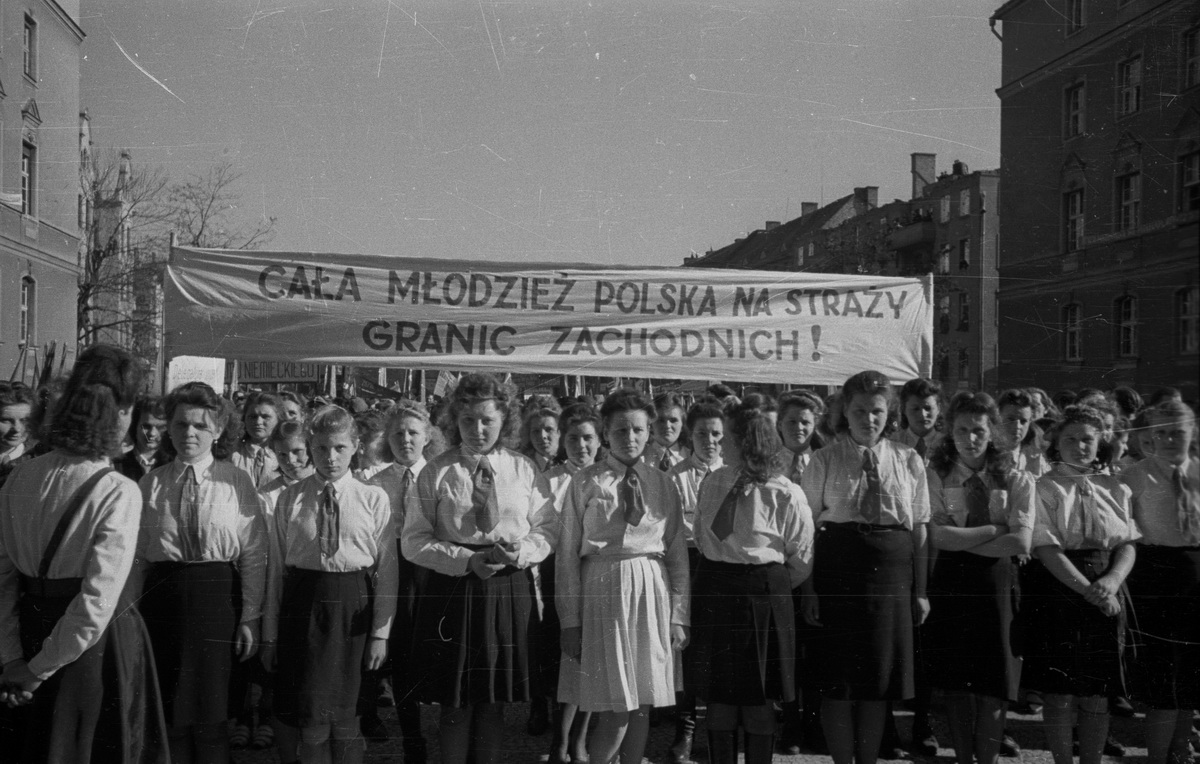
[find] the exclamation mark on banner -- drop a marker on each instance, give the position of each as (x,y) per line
(816,334)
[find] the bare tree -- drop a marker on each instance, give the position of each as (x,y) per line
(203,209)
(133,209)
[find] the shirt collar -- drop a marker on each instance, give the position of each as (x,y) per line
(415,469)
(616,465)
(370,472)
(700,466)
(202,466)
(339,485)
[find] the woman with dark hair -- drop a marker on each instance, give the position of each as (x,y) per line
(1019,436)
(480,517)
(72,642)
(799,415)
(668,443)
(149,433)
(1084,540)
(982,511)
(204,545)
(261,414)
(16,409)
(755,534)
(870,498)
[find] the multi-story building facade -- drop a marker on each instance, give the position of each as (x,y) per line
(1100,157)
(39,181)
(948,228)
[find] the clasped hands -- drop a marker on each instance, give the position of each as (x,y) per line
(17,684)
(488,562)
(1103,594)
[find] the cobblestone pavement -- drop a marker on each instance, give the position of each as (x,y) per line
(521,748)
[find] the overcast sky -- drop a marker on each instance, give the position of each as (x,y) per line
(611,132)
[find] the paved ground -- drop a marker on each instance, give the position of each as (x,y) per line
(524,749)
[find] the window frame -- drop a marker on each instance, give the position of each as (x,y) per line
(1188,193)
(1074,110)
(964,253)
(1127,215)
(1074,220)
(1129,85)
(1187,320)
(29,48)
(964,311)
(27,312)
(28,179)
(1072,323)
(1125,322)
(1075,16)
(1189,47)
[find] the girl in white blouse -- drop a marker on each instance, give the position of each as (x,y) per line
(1165,583)
(481,517)
(870,499)
(622,584)
(1083,538)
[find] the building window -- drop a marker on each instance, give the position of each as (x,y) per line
(944,314)
(1187,313)
(28,178)
(1072,333)
(29,48)
(28,314)
(964,363)
(1073,220)
(964,202)
(964,254)
(1189,182)
(1126,313)
(1129,85)
(964,312)
(1129,201)
(1191,57)
(1074,16)
(944,212)
(1073,103)
(944,261)
(943,363)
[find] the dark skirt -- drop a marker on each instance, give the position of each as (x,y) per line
(472,638)
(105,706)
(323,626)
(743,647)
(966,640)
(864,583)
(1071,647)
(400,640)
(1165,588)
(190,612)
(546,660)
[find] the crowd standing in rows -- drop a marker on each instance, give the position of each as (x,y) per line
(286,564)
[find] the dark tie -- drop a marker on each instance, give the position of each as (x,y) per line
(722,524)
(483,497)
(797,468)
(330,522)
(871,506)
(632,504)
(406,482)
(1087,510)
(978,497)
(921,447)
(664,463)
(260,466)
(189,520)
(1187,507)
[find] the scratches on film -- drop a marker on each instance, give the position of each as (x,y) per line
(488,28)
(143,70)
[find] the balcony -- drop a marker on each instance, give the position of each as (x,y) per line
(912,236)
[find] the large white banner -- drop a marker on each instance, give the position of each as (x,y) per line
(682,323)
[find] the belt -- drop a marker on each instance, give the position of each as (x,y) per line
(866,529)
(52,588)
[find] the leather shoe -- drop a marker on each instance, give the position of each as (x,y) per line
(1009,747)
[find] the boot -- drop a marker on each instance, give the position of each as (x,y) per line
(685,731)
(722,747)
(759,748)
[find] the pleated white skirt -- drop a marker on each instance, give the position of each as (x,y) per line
(626,659)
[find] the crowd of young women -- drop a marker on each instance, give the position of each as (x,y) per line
(829,557)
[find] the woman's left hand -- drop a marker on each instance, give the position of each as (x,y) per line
(1100,590)
(376,654)
(920,608)
(18,684)
(680,636)
(245,644)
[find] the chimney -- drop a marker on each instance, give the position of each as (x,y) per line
(924,172)
(770,224)
(867,196)
(959,168)
(808,208)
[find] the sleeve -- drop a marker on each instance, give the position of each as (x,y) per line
(798,537)
(543,520)
(253,546)
(1022,502)
(920,497)
(675,544)
(813,484)
(1046,505)
(276,559)
(567,562)
(10,630)
(701,525)
(114,544)
(938,511)
(387,580)
(146,486)
(1125,494)
(418,540)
